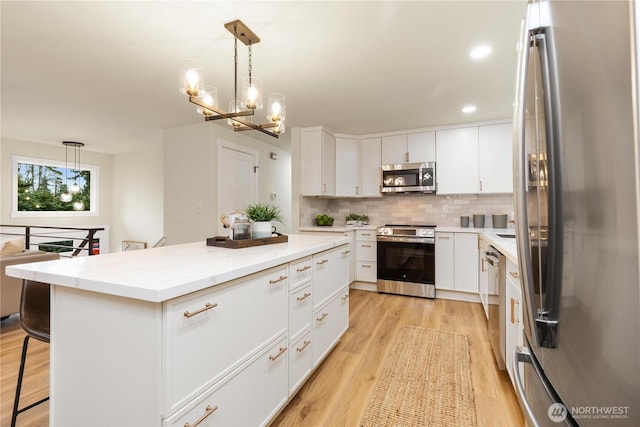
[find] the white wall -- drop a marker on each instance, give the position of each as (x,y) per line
(138,194)
(191,179)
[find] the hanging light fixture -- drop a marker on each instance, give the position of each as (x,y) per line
(240,109)
(68,194)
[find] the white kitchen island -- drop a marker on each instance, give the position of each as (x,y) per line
(179,334)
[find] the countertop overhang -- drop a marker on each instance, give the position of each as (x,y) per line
(167,272)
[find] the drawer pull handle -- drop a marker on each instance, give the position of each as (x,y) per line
(207,306)
(280,279)
(300,270)
(444,237)
(321,318)
(365,234)
(514,274)
(280,353)
(303,297)
(513,311)
(322,261)
(344,297)
(346,252)
(304,345)
(366,265)
(210,410)
(366,246)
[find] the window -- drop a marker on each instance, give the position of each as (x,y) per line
(38,185)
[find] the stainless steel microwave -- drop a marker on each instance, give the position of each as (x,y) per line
(409,177)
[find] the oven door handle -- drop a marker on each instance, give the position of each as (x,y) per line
(425,240)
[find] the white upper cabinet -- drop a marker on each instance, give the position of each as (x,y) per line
(457,161)
(495,158)
(318,160)
(371,173)
(411,148)
(347,167)
(421,147)
(394,149)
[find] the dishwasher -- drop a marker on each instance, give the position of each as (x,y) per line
(496,266)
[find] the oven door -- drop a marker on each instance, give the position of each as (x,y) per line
(406,266)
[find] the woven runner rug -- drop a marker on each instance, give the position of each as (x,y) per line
(426,381)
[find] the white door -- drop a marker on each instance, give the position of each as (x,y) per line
(237,179)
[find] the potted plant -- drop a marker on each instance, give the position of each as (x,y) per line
(262,215)
(357,219)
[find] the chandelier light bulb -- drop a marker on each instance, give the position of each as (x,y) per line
(276,107)
(192,77)
(208,97)
(78,206)
(75,188)
(66,197)
(252,96)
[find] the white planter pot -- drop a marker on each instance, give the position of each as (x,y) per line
(261,229)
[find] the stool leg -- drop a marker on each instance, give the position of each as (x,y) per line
(14,416)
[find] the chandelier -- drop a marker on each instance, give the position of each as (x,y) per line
(73,189)
(241,110)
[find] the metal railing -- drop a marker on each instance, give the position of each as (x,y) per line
(56,239)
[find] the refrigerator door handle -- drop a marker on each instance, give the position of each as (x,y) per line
(523,355)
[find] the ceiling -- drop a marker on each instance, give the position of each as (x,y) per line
(107,73)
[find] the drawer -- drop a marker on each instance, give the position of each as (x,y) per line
(512,271)
(300,272)
(369,235)
(366,251)
(300,361)
(300,309)
(330,273)
(210,331)
(366,271)
(330,321)
(250,396)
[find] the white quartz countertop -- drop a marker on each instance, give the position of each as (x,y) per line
(160,274)
(506,245)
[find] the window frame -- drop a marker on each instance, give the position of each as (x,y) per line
(94,171)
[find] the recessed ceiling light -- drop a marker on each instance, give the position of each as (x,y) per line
(480,52)
(469,109)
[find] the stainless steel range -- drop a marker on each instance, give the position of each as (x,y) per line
(406,260)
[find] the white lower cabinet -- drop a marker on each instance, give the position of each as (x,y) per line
(456,261)
(250,396)
(513,330)
(300,361)
(330,320)
(329,273)
(366,256)
(212,331)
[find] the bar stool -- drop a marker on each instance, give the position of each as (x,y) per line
(34,317)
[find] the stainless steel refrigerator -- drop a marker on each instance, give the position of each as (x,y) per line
(576,180)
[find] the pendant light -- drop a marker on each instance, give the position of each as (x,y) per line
(240,108)
(75,188)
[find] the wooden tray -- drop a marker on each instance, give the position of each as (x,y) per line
(225,242)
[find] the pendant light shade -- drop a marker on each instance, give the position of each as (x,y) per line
(75,188)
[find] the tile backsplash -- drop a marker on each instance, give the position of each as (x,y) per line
(409,208)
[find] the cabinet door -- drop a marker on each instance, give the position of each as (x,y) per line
(330,321)
(483,280)
(421,147)
(444,261)
(330,273)
(457,161)
(318,156)
(394,149)
(347,167)
(513,329)
(371,172)
(466,260)
(495,158)
(328,164)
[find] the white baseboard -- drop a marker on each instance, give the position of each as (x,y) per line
(457,296)
(364,286)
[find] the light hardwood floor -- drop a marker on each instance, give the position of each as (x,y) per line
(338,392)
